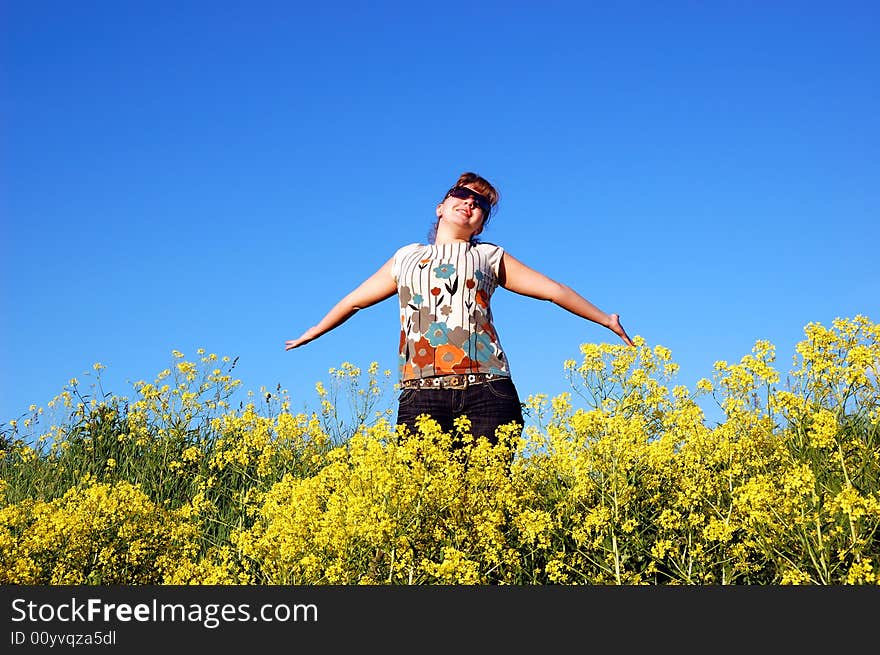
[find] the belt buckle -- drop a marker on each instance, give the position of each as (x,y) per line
(457,382)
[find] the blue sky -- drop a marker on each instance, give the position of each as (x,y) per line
(184,175)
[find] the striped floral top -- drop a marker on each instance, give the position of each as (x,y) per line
(445,319)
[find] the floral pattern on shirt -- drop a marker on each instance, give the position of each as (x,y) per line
(445,316)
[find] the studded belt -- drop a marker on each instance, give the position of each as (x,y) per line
(456,381)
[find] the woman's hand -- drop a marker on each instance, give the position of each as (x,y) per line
(615,326)
(308,335)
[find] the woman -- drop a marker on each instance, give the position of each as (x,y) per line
(451,360)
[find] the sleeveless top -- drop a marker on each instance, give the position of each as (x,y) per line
(445,319)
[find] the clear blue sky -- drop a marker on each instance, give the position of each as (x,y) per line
(184,175)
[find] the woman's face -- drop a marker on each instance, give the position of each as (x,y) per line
(463,211)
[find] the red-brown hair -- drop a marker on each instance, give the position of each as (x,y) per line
(479,184)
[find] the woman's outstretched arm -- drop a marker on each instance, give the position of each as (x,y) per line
(376,288)
(519,278)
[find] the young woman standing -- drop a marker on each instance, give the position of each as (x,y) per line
(451,360)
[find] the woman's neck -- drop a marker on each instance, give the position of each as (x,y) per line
(448,233)
(440,241)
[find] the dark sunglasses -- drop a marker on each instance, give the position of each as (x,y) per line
(463,193)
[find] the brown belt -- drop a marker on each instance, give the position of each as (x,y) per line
(458,381)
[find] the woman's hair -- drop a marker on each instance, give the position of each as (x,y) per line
(482,186)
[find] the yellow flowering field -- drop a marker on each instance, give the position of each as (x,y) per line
(620,481)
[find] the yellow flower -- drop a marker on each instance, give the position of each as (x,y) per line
(823,430)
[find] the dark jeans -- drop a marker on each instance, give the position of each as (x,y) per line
(487,405)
